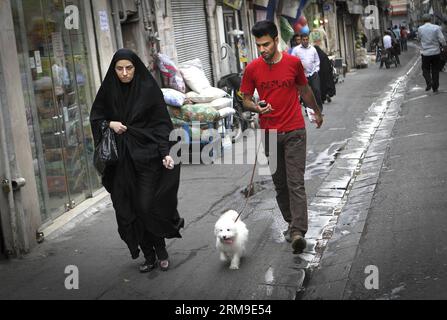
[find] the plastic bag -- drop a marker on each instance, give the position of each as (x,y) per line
(287,31)
(106,152)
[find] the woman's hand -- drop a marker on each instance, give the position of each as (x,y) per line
(118,127)
(168,162)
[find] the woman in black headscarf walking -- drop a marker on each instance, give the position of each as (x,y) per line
(144,183)
(326,76)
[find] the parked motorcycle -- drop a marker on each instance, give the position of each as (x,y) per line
(242,119)
(335,71)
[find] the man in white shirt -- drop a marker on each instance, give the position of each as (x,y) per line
(389,48)
(387,41)
(430,36)
(311,63)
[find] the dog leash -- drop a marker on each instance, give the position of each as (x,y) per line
(250,186)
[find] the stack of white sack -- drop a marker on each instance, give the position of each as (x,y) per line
(361,57)
(202,91)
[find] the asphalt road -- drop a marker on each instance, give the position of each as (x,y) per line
(405,234)
(389,241)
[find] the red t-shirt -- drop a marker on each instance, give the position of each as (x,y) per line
(277,85)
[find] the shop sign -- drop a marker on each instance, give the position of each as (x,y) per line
(103,21)
(58,45)
(38,62)
(327,7)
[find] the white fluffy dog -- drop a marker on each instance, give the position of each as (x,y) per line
(231,238)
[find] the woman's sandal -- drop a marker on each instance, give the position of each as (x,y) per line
(147,266)
(164,265)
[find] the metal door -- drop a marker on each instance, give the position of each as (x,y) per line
(191,33)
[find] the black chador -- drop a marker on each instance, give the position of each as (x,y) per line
(143,191)
(327,84)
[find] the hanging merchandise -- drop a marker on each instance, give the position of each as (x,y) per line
(305,30)
(290,8)
(286,30)
(301,22)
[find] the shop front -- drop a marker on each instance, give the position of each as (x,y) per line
(52,46)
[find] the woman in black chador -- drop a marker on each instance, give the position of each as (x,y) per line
(144,183)
(326,76)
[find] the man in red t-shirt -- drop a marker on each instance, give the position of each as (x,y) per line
(280,80)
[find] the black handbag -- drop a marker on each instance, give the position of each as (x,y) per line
(106,152)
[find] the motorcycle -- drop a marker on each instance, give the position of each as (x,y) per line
(242,119)
(335,72)
(389,59)
(378,53)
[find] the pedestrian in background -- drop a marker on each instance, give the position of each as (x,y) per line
(389,46)
(295,41)
(396,31)
(431,37)
(326,75)
(276,75)
(311,63)
(144,183)
(403,38)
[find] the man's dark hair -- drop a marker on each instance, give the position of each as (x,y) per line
(264,28)
(426,18)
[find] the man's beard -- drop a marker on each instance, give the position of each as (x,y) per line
(269,57)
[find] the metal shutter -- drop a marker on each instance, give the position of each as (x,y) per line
(191,33)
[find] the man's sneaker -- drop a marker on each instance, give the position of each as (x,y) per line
(287,235)
(298,244)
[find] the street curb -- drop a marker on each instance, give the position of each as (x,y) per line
(329,271)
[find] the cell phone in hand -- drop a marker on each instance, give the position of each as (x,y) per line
(262,104)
